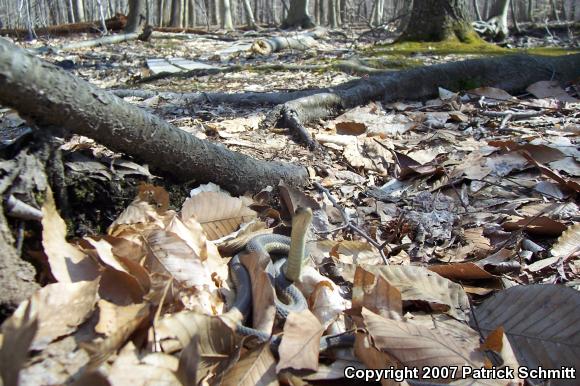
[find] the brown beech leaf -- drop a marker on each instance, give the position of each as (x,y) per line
(256,367)
(301,342)
(130,369)
(417,347)
(67,263)
(263,293)
(113,317)
(374,358)
(568,243)
(541,226)
(375,293)
(540,321)
(218,344)
(218,213)
(462,271)
(419,285)
(60,308)
(16,336)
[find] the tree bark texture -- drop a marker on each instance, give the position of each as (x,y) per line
(298,15)
(438,20)
(52,99)
(136,18)
(511,73)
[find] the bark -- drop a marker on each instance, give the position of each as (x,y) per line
(136,19)
(377,15)
(439,20)
(78,10)
(511,73)
(477,13)
(298,16)
(52,99)
(250,20)
(299,42)
(176,18)
(116,23)
(226,11)
(92,43)
(332,14)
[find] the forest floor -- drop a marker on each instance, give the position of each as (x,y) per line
(479,186)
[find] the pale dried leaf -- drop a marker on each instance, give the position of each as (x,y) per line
(218,345)
(568,243)
(375,293)
(218,213)
(301,342)
(418,284)
(256,367)
(17,335)
(550,89)
(129,370)
(113,317)
(67,263)
(417,347)
(60,309)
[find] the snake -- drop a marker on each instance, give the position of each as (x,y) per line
(282,274)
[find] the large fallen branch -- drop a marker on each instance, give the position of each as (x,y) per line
(50,98)
(300,42)
(116,23)
(511,73)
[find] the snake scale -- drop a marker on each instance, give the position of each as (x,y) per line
(282,273)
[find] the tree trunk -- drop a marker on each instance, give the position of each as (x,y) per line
(377,16)
(531,10)
(477,14)
(498,24)
(176,19)
(250,20)
(136,19)
(332,19)
(226,10)
(78,10)
(52,99)
(298,15)
(439,20)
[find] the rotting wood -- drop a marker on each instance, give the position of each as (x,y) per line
(298,42)
(75,106)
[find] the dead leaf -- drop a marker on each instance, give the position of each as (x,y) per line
(263,293)
(218,213)
(17,335)
(256,367)
(550,89)
(540,321)
(74,301)
(542,226)
(423,287)
(301,342)
(568,243)
(376,294)
(417,347)
(67,263)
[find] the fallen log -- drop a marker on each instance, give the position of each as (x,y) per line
(53,99)
(112,39)
(116,23)
(298,42)
(510,73)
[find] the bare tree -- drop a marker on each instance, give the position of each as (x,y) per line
(226,13)
(438,20)
(298,15)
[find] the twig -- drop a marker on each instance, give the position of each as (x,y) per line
(348,223)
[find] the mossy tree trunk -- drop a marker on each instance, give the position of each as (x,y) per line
(439,20)
(298,15)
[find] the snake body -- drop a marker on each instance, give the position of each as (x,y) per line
(282,274)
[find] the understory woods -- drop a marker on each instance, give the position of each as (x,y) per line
(289,192)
